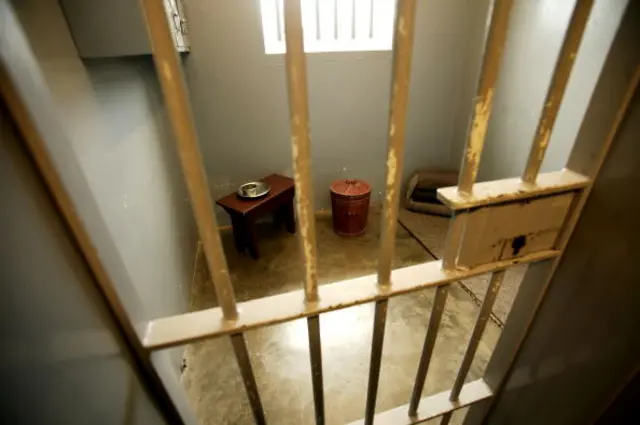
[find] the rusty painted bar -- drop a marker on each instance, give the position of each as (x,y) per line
(446,418)
(555,94)
(476,335)
(250,385)
(478,330)
(379,321)
(452,244)
(315,351)
(483,103)
(402,52)
(278,19)
(300,143)
(199,325)
(433,406)
(453,239)
(427,349)
(301,149)
(177,103)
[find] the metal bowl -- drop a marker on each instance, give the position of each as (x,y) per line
(253,190)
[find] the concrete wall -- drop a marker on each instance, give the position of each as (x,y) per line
(240,102)
(535,35)
(111,113)
(62,361)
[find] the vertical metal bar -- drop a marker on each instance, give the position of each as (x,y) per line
(177,103)
(250,385)
(279,18)
(559,80)
(446,418)
(454,237)
(353,19)
(300,142)
(427,349)
(483,102)
(301,148)
(371,10)
(402,52)
(335,19)
(474,341)
(478,330)
(315,351)
(318,20)
(379,321)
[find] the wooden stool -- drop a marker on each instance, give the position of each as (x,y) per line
(245,212)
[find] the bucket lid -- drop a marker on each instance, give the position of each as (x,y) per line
(350,187)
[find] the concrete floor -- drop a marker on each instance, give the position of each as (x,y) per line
(280,354)
(431,230)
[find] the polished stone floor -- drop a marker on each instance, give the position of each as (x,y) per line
(280,354)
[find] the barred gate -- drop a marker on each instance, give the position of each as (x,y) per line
(542,209)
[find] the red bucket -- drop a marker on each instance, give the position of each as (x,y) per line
(350,206)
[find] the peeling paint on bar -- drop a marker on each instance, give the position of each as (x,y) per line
(179,110)
(392,163)
(555,94)
(402,53)
(295,64)
(481,116)
(403,46)
(484,100)
(203,324)
(301,144)
(478,330)
(513,189)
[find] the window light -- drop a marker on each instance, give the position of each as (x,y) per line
(332,25)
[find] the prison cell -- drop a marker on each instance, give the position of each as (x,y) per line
(478,241)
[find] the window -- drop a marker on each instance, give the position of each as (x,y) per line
(332,25)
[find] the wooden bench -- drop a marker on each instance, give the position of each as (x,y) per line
(245,212)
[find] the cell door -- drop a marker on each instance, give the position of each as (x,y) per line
(496,225)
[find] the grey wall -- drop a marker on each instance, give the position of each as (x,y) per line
(535,35)
(111,114)
(240,102)
(112,111)
(62,361)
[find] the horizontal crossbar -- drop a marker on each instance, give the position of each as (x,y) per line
(433,406)
(209,323)
(507,190)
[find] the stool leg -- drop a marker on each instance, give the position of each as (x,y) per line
(289,217)
(251,238)
(238,232)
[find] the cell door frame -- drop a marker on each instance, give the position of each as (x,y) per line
(475,205)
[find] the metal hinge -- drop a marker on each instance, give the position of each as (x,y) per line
(178,19)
